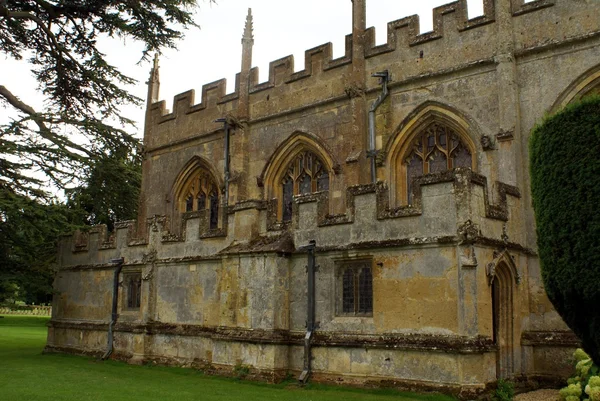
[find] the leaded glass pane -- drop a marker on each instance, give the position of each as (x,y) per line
(189,203)
(414,169)
(443,138)
(138,294)
(201,202)
(323,182)
(305,184)
(134,291)
(348,291)
(430,141)
(461,157)
(365,291)
(214,211)
(437,162)
(288,196)
(130,293)
(308,161)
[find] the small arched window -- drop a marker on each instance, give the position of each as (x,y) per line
(305,174)
(201,193)
(435,149)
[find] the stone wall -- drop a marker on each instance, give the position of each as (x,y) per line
(236,295)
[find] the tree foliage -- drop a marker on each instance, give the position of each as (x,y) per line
(110,192)
(81,118)
(79,140)
(28,234)
(565,183)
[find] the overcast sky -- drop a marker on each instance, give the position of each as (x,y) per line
(280,28)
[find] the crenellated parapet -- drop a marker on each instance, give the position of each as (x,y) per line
(455,42)
(284,67)
(213,93)
(463,181)
(407,30)
(125,231)
(461,190)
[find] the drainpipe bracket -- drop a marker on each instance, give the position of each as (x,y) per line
(372,153)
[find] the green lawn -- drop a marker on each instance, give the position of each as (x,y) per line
(26,374)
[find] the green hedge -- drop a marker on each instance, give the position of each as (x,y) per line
(565,184)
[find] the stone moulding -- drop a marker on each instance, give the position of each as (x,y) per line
(411,341)
(283,245)
(550,339)
(462,179)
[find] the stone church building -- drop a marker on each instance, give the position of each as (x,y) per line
(365,220)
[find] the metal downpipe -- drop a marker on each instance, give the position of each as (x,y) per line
(227,158)
(311,268)
(115,303)
(384,78)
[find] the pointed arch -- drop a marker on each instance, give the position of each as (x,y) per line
(586,84)
(198,188)
(503,278)
(503,258)
(301,146)
(429,116)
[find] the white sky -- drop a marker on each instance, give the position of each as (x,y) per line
(214,52)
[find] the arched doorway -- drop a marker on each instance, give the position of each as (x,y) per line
(503,311)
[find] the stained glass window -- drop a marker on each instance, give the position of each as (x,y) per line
(305,174)
(445,151)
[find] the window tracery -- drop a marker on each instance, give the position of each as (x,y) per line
(202,193)
(436,149)
(305,174)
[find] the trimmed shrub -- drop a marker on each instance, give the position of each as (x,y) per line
(565,185)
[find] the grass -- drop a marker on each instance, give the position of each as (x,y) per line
(27,374)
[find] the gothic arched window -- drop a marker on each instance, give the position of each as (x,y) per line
(305,174)
(435,149)
(201,193)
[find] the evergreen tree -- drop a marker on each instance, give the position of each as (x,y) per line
(110,192)
(80,136)
(81,120)
(565,185)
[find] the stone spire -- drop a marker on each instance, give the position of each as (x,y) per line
(247,42)
(153,82)
(248,35)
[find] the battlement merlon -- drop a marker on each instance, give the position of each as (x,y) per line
(455,41)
